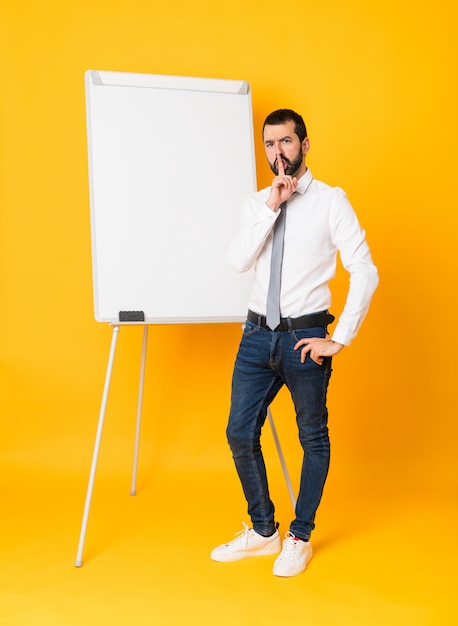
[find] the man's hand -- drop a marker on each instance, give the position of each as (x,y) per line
(318,348)
(283,186)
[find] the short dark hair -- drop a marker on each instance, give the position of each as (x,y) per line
(281,116)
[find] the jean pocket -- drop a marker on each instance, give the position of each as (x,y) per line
(307,333)
(250,328)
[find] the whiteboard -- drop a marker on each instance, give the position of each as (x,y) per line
(171,160)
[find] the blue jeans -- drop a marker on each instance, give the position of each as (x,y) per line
(265,362)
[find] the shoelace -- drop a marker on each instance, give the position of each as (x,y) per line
(290,547)
(241,536)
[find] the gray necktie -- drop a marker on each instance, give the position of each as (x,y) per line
(273,294)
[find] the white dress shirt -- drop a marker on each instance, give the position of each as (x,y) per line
(320,222)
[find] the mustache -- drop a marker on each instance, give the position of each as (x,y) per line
(290,167)
(283,158)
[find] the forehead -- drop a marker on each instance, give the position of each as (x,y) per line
(278,131)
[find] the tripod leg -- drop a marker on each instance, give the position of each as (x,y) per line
(282,458)
(133,489)
(95,455)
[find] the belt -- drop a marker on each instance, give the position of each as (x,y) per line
(323,318)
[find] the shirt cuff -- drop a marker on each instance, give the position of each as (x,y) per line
(340,336)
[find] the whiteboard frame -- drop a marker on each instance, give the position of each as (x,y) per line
(240,284)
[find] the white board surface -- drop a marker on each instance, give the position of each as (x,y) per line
(171,160)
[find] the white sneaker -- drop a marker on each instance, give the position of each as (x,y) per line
(294,556)
(247,543)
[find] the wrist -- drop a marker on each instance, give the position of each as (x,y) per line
(272,206)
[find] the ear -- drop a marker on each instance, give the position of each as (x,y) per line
(306,145)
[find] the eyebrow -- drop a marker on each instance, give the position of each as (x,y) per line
(281,139)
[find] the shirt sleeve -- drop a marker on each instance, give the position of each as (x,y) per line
(256,224)
(350,240)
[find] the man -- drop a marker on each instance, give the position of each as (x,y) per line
(295,350)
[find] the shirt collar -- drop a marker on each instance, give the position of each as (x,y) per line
(304,182)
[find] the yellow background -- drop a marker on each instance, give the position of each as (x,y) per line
(377,85)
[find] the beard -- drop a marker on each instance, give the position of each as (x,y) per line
(291,166)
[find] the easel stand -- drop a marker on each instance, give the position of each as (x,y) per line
(98,438)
